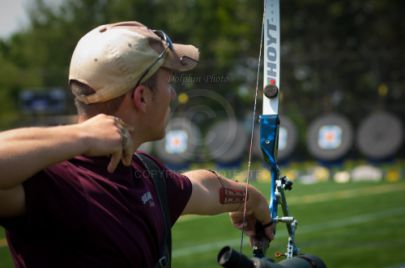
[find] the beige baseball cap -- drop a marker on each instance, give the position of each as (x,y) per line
(113,58)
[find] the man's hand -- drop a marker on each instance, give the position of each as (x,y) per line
(109,135)
(257,224)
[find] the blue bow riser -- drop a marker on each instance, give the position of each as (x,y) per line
(269,125)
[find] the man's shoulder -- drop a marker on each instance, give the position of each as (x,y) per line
(60,168)
(65,167)
(72,170)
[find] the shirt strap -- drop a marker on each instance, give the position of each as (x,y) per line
(159,181)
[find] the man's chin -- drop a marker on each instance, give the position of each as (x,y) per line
(158,136)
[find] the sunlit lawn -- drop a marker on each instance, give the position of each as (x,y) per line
(348,225)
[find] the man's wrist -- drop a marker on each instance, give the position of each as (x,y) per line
(229,195)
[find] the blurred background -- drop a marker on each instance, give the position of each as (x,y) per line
(342,103)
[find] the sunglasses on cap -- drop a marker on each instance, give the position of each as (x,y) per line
(184,60)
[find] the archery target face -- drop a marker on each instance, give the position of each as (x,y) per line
(176,142)
(330,137)
(380,135)
(180,144)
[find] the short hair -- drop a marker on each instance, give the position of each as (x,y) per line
(109,107)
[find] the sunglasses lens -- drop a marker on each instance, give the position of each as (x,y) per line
(189,62)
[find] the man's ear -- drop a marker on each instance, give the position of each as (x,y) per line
(140,97)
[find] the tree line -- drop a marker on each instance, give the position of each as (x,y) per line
(337,55)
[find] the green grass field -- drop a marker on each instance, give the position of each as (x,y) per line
(348,225)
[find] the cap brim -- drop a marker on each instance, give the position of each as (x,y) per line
(183,58)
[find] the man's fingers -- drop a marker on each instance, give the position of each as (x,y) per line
(269,229)
(115,159)
(126,140)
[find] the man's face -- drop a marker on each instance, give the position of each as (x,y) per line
(159,111)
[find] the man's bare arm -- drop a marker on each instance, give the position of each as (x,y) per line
(25,151)
(206,199)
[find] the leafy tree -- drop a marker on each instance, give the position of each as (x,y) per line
(335,53)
